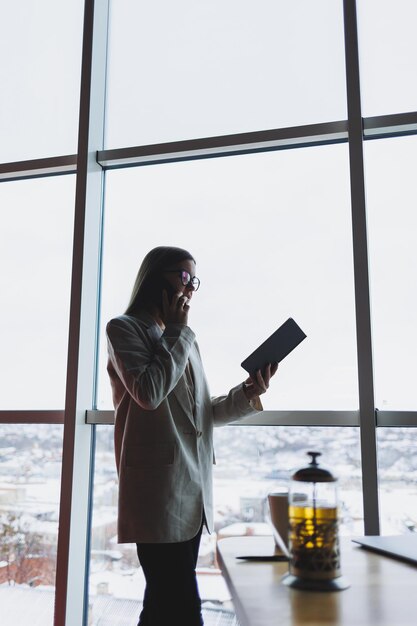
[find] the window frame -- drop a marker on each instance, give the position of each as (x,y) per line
(80,416)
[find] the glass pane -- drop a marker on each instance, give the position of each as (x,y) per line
(388,56)
(397,466)
(272,237)
(391,200)
(116,582)
(40,44)
(254,461)
(250,463)
(191,69)
(35,257)
(30,480)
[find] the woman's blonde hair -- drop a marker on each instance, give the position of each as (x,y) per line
(147,289)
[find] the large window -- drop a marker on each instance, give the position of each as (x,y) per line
(392,195)
(272,240)
(250,463)
(388,50)
(40,44)
(30,472)
(35,256)
(223,128)
(197,69)
(397,476)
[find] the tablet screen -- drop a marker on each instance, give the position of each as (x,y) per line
(276,347)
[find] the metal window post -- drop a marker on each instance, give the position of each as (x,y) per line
(76,463)
(361,273)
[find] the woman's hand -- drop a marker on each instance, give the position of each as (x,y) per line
(254,387)
(176,311)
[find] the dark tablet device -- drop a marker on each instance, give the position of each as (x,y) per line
(275,348)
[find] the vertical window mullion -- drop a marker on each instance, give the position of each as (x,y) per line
(78,436)
(361,274)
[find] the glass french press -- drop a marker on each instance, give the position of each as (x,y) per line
(313,530)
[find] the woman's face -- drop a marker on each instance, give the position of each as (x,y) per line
(175,278)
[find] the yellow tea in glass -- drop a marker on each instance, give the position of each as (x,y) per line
(314,543)
(313,539)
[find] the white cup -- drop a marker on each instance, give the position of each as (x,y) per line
(278,510)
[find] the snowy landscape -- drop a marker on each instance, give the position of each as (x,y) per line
(251,462)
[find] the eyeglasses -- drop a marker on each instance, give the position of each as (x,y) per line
(186,278)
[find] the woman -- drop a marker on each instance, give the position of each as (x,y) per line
(164,418)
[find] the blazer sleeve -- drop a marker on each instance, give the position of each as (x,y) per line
(234,406)
(148,370)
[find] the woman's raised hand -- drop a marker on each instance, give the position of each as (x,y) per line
(257,386)
(176,311)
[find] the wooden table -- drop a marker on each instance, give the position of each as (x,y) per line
(383,590)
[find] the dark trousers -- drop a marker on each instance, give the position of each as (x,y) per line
(171,593)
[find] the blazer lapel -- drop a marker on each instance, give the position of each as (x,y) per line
(180,392)
(197,372)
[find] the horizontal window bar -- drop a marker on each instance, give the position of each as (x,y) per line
(378,127)
(31,417)
(302,418)
(296,418)
(266,418)
(396,418)
(99,417)
(258,141)
(396,125)
(38,168)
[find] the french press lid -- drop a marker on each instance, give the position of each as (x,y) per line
(313,473)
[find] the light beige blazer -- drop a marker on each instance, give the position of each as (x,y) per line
(164,452)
